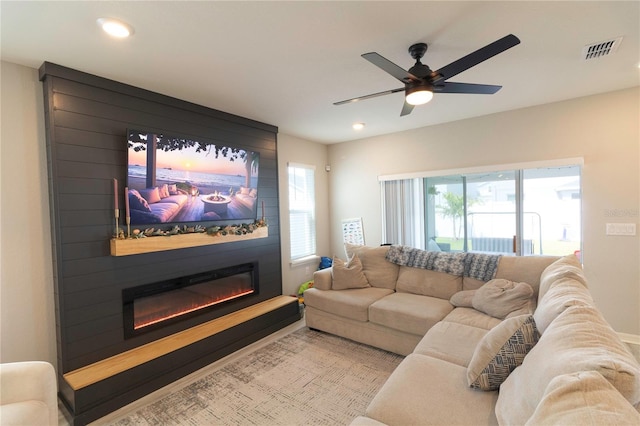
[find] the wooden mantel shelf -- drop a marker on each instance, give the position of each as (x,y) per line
(132,246)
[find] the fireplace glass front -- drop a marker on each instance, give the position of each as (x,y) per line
(151,306)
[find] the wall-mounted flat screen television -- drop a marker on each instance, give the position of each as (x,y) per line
(176,179)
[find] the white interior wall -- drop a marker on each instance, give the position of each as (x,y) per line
(604,129)
(27,308)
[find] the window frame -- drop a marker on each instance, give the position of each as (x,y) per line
(310,235)
(518,168)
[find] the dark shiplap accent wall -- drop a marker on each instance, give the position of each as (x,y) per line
(87,118)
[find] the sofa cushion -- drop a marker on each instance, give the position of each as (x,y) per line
(451,342)
(429,391)
(427,282)
(563,293)
(579,339)
(173,189)
(348,275)
(379,272)
(353,303)
(500,297)
(137,202)
(463,299)
(565,267)
(501,350)
(407,312)
(152,195)
(584,398)
(163,190)
(164,211)
(524,269)
(178,199)
(470,316)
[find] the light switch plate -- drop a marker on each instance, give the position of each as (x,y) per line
(628,229)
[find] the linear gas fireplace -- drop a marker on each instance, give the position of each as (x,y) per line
(152,306)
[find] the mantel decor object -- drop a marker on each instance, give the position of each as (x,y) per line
(153,239)
(127,213)
(115,204)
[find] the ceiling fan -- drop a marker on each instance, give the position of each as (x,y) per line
(420,82)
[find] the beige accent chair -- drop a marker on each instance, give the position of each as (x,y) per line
(28,394)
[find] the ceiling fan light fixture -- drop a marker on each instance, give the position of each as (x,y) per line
(419,94)
(115,28)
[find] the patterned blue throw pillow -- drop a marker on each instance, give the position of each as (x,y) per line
(500,351)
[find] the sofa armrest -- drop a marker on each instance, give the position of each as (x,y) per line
(322,279)
(32,380)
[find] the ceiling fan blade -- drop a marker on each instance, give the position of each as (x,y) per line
(473,59)
(406,109)
(373,95)
(481,89)
(388,66)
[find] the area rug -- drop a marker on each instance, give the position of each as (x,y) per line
(304,378)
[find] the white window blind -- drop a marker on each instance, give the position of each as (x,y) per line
(302,210)
(403,212)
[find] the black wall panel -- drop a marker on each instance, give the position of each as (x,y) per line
(87,119)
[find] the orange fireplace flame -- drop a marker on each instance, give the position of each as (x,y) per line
(155,314)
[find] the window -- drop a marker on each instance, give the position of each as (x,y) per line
(302,210)
(522,211)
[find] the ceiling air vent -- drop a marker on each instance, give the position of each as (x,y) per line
(600,49)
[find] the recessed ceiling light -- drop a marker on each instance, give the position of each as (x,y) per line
(115,28)
(358,126)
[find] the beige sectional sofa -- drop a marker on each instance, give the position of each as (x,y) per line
(541,351)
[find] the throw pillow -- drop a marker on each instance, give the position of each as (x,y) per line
(378,270)
(152,195)
(463,299)
(500,351)
(500,297)
(164,191)
(433,246)
(136,202)
(173,189)
(348,275)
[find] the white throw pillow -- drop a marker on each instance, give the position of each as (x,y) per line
(500,297)
(378,270)
(348,275)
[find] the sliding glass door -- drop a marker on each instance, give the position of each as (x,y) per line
(515,212)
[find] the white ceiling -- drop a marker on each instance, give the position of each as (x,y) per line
(285,63)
